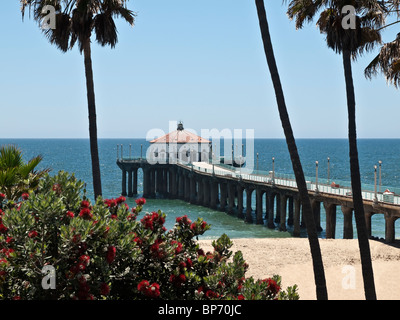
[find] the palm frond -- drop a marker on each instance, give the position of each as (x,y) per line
(105,30)
(29,168)
(387,62)
(126,14)
(10,157)
(8,178)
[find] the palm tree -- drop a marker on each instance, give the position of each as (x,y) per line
(319,273)
(350,43)
(76,21)
(16,176)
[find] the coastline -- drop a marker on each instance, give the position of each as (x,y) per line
(291,259)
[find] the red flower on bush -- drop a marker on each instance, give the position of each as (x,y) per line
(110,203)
(131,217)
(3,228)
(86,214)
(273,287)
(143,285)
(70,214)
(183,220)
(2,196)
(76,238)
(182,265)
(85,204)
(151,291)
(25,196)
(84,288)
(84,259)
(155,249)
(7,252)
(150,221)
(32,234)
(80,267)
(120,199)
(140,201)
(198,228)
(211,294)
(104,289)
(178,248)
(56,188)
(147,222)
(138,241)
(177,281)
(111,253)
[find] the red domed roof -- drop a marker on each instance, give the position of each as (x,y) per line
(180,135)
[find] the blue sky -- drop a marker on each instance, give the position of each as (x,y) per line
(201,62)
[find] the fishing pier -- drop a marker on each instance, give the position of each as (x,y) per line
(270,198)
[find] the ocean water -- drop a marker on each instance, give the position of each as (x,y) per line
(73,155)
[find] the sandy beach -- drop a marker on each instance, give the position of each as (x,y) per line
(291,259)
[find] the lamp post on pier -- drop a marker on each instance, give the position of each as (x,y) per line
(213,172)
(273,170)
(257,161)
(328,169)
(376,196)
(240,168)
(236,151)
(316,177)
(380,176)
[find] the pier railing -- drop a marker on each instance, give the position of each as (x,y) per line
(337,187)
(324,186)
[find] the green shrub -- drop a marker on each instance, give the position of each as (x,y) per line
(104,251)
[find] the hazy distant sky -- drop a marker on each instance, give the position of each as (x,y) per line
(201,62)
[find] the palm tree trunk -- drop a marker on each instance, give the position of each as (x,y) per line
(319,273)
(94,150)
(363,242)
